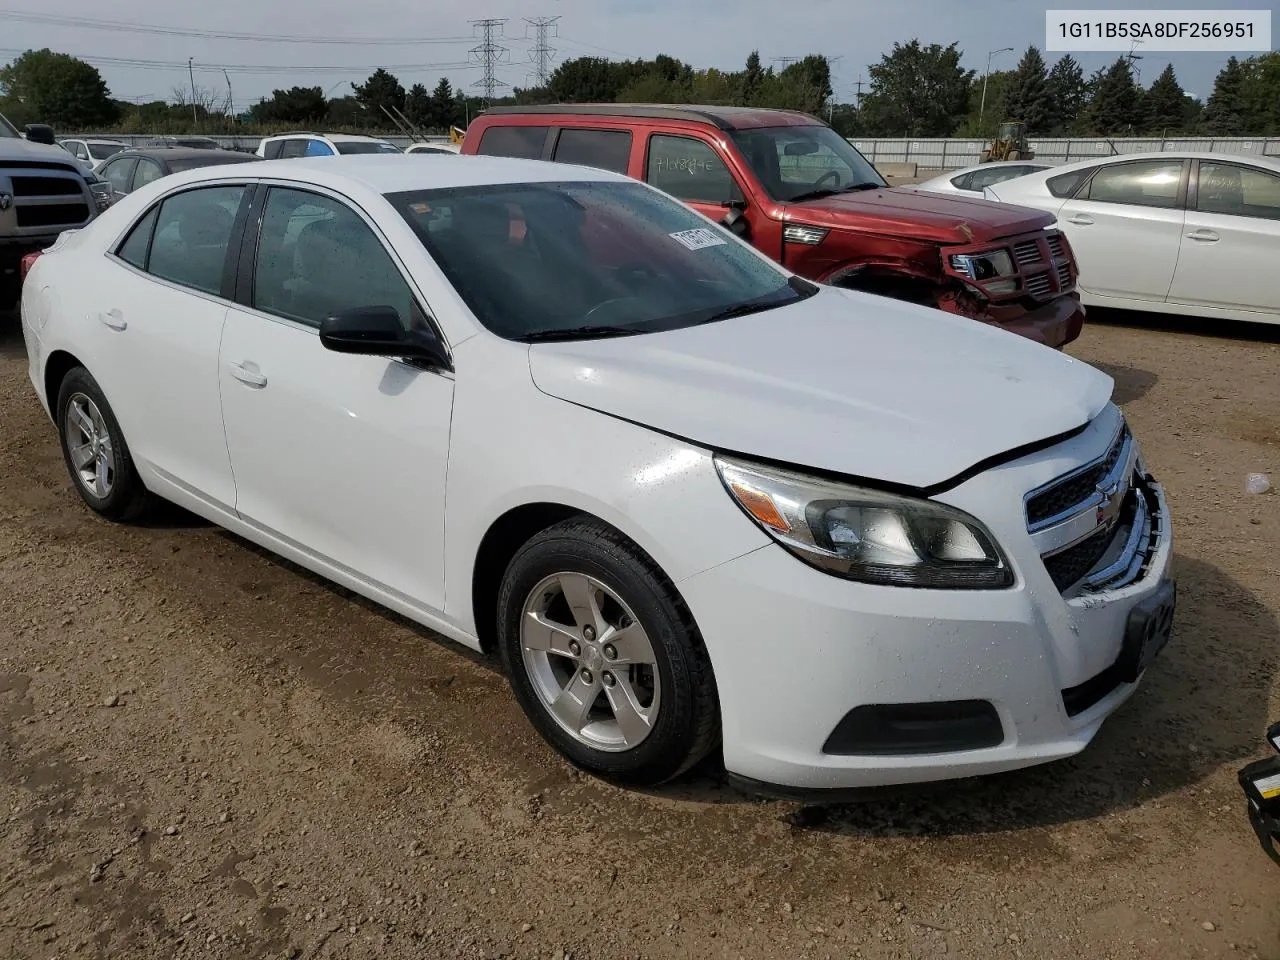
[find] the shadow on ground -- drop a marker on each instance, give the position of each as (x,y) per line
(1197,326)
(1131,383)
(1202,704)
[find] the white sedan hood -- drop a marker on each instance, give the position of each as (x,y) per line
(846,382)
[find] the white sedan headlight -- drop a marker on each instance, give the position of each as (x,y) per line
(867,535)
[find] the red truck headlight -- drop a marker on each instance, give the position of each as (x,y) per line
(986,269)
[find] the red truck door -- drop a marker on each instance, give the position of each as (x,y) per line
(694,170)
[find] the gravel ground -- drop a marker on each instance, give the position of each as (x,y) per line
(205,752)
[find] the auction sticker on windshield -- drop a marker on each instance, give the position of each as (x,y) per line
(697,238)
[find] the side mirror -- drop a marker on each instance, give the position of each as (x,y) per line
(733,220)
(378,331)
(40,133)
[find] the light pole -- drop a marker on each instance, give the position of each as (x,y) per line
(982,107)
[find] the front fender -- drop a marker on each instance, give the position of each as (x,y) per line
(512,445)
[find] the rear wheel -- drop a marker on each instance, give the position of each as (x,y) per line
(95,451)
(604,657)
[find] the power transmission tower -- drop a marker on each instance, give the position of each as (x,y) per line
(785,61)
(488,54)
(859,85)
(541,54)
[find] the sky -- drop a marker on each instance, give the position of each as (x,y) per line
(427,39)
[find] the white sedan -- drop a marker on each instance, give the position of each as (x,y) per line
(690,498)
(973,180)
(1189,233)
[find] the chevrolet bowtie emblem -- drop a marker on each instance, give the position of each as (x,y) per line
(1112,499)
(5,201)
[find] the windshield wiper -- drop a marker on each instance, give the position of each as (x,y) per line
(758,306)
(832,191)
(576,333)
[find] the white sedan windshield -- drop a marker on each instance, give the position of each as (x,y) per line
(560,260)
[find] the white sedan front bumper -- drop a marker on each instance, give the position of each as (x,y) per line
(818,675)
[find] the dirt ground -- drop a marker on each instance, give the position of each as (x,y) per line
(205,752)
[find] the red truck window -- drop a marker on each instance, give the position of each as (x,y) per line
(525,143)
(607,149)
(688,169)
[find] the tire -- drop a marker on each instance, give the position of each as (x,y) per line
(675,693)
(109,483)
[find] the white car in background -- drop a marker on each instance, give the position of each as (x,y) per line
(287,146)
(542,410)
(972,180)
(433,146)
(1174,232)
(93,152)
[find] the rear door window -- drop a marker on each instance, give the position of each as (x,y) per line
(607,149)
(524,142)
(1138,183)
(272,150)
(295,147)
(148,170)
(192,236)
(118,173)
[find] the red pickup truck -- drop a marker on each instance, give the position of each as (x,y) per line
(801,193)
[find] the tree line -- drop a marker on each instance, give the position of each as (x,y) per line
(915,90)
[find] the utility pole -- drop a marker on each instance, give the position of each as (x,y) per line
(195,119)
(858,92)
(488,54)
(541,54)
(982,107)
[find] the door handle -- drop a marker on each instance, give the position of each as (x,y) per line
(248,373)
(1205,236)
(114,319)
(1080,220)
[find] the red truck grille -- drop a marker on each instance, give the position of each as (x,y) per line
(1042,263)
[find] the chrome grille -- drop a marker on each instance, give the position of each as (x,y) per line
(1039,285)
(1073,490)
(45,187)
(1026,252)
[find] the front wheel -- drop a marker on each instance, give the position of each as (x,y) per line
(603,655)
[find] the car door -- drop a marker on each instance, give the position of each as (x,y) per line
(1125,226)
(119,173)
(1231,240)
(162,302)
(693,171)
(341,455)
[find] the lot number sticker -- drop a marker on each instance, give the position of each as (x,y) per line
(697,238)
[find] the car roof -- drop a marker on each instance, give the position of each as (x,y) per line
(185,153)
(335,137)
(393,173)
(1257,159)
(726,118)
